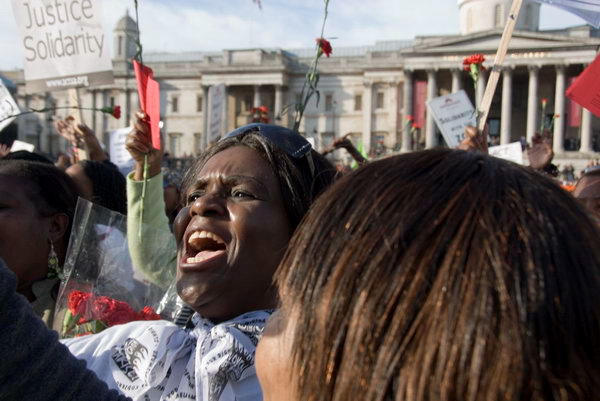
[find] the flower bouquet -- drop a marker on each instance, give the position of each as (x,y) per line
(89,313)
(101,286)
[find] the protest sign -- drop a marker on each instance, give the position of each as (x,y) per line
(453,113)
(585,91)
(8,107)
(20,145)
(512,152)
(117,150)
(64,44)
(217,107)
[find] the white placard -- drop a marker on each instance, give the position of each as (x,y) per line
(8,106)
(117,150)
(64,44)
(453,113)
(217,108)
(20,145)
(512,152)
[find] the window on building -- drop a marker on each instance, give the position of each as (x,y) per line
(357,102)
(175,104)
(175,143)
(199,103)
(112,101)
(380,104)
(120,45)
(499,15)
(328,103)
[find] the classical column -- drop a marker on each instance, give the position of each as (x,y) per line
(408,110)
(205,112)
(532,102)
(586,131)
(506,123)
(257,99)
(430,139)
(559,108)
(277,111)
(225,125)
(456,80)
(367,116)
(395,111)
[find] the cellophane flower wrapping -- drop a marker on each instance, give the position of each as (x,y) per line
(101,287)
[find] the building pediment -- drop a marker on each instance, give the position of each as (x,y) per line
(488,42)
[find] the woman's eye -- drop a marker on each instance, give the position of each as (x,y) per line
(241,194)
(194,196)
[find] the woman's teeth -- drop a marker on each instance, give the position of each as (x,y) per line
(204,234)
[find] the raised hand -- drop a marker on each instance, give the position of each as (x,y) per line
(540,152)
(4,150)
(475,141)
(139,145)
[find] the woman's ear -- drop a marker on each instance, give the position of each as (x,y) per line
(59,223)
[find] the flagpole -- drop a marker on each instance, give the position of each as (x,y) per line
(486,102)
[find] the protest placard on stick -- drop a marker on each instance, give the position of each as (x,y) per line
(64,44)
(452,114)
(486,102)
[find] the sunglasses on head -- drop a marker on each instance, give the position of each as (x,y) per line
(285,139)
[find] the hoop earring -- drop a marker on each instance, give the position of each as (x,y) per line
(54,270)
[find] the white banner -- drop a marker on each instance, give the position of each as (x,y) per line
(453,113)
(217,109)
(8,106)
(117,150)
(589,10)
(64,44)
(512,152)
(20,145)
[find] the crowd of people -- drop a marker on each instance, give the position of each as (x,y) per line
(435,275)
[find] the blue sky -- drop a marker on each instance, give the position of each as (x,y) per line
(196,25)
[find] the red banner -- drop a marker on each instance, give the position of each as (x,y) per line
(419,99)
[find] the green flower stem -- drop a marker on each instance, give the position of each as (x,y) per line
(542,120)
(144,185)
(46,109)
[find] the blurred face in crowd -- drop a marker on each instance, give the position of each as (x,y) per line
(587,192)
(25,232)
(231,235)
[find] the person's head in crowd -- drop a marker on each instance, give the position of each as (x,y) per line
(37,204)
(438,275)
(587,191)
(28,156)
(243,199)
(101,183)
(172,192)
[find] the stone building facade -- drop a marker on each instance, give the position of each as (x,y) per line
(365,91)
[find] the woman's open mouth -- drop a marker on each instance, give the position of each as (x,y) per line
(203,246)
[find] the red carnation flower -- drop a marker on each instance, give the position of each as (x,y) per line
(324,46)
(114,111)
(263,109)
(148,313)
(410,118)
(416,126)
(79,305)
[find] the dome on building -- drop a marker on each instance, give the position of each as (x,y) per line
(126,23)
(484,15)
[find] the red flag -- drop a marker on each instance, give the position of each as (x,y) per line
(586,88)
(149,93)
